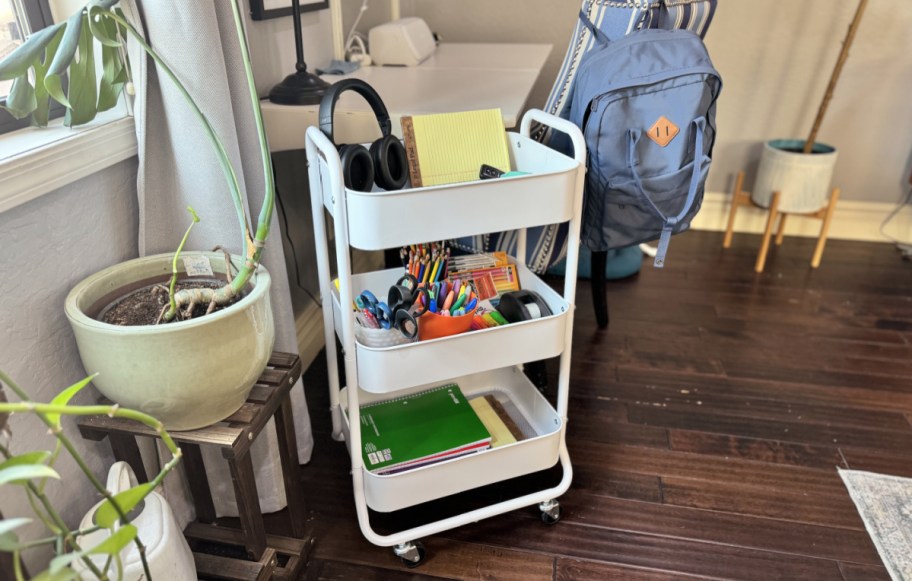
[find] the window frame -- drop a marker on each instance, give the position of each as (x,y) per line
(38,13)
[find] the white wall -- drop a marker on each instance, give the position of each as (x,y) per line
(775,57)
(50,244)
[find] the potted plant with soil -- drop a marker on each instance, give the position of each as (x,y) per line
(194,358)
(803,169)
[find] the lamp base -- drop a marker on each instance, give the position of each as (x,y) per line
(299,88)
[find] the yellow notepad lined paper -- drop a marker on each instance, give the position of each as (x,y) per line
(448,148)
(500,433)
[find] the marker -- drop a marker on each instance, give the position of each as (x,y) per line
(499,318)
(471,304)
(449,301)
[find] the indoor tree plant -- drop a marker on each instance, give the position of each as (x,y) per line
(803,169)
(33,470)
(190,373)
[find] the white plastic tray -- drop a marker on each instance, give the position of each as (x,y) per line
(526,406)
(381,219)
(387,369)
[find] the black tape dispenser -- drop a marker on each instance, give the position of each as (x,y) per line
(523,305)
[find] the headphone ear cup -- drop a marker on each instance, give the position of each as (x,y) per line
(357,167)
(390,162)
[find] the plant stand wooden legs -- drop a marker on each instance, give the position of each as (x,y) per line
(825,214)
(268,556)
(742,198)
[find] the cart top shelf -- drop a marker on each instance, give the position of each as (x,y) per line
(385,219)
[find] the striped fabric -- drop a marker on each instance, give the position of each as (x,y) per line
(616,18)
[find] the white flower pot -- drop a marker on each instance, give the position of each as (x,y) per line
(188,374)
(803,178)
(167,552)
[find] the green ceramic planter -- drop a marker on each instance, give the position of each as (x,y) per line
(188,374)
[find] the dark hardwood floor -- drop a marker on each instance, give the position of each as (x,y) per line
(705,428)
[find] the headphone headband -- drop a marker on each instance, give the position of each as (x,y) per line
(328,105)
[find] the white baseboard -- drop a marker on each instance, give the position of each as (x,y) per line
(853,220)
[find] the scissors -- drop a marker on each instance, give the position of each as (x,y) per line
(399,311)
(402,300)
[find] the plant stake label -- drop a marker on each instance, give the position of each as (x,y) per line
(197,266)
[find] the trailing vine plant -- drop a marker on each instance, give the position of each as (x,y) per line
(33,470)
(69,48)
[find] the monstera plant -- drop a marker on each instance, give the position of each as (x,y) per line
(147,365)
(68,48)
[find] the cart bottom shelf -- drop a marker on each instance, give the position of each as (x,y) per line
(539,422)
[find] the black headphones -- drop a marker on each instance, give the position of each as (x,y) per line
(385,163)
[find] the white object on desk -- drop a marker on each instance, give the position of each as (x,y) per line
(407,42)
(457,77)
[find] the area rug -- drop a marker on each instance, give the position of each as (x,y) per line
(885,505)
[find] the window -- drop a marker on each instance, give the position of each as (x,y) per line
(18,19)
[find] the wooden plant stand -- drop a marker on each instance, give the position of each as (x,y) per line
(234,436)
(742,198)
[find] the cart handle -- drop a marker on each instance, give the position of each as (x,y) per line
(562,125)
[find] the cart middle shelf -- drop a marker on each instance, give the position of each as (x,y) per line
(388,369)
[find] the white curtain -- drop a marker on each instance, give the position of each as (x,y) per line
(177,168)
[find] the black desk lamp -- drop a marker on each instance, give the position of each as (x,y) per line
(300,87)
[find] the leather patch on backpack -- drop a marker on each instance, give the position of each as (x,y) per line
(663,131)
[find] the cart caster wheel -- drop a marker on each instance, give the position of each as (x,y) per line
(411,554)
(550,512)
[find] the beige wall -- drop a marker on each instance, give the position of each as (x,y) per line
(775,57)
(50,244)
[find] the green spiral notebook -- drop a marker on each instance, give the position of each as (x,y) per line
(419,429)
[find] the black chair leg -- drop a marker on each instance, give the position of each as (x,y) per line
(599,293)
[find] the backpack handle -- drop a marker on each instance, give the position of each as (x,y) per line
(633,137)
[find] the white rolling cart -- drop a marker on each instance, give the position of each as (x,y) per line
(481,362)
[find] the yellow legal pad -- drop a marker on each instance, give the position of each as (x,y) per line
(493,419)
(448,148)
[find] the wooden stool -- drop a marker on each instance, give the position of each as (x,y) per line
(742,198)
(234,436)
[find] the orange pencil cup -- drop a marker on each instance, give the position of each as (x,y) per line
(433,325)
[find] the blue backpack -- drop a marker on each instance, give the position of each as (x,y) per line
(646,104)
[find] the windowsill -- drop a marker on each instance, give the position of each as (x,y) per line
(36,161)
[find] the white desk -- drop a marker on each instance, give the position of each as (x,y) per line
(457,77)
